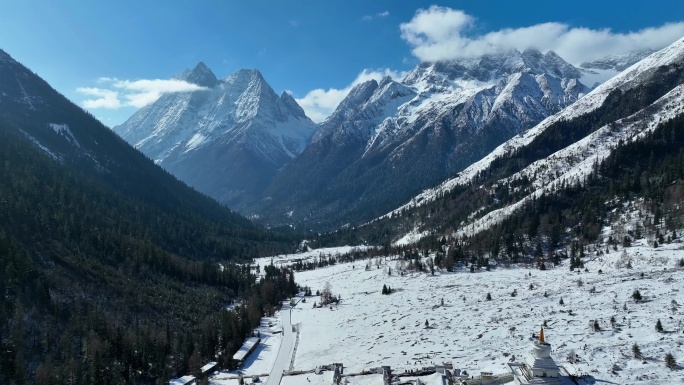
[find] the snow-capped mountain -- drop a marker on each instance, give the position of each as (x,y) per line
(386,141)
(598,71)
(625,109)
(227,139)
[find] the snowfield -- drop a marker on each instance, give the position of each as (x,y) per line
(368,329)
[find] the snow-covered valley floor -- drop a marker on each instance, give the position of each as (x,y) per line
(369,329)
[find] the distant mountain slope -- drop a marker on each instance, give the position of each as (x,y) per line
(562,152)
(227,140)
(386,141)
(103,254)
(598,71)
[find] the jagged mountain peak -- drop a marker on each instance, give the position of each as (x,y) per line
(292,105)
(245,75)
(386,80)
(201,75)
(492,67)
(357,96)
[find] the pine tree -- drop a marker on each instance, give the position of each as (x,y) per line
(637,352)
(670,361)
(427,324)
(636,296)
(384,289)
(489,297)
(596,326)
(561,302)
(659,326)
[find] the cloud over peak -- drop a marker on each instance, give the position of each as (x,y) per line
(319,103)
(136,93)
(442,33)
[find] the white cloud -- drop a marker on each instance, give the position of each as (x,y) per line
(442,33)
(136,93)
(319,103)
(370,17)
(103,98)
(294,23)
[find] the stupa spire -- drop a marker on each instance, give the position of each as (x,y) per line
(541,335)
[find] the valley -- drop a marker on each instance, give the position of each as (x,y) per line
(368,329)
(407,195)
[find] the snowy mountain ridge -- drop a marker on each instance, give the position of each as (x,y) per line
(575,161)
(570,165)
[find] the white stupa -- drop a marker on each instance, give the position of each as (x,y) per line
(539,367)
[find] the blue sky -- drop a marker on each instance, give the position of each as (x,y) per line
(315,49)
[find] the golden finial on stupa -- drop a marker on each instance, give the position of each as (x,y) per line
(541,335)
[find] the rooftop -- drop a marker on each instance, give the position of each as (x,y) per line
(245,349)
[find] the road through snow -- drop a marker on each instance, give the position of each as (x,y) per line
(282,362)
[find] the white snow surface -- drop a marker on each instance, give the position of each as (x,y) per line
(63,129)
(411,237)
(625,80)
(369,329)
(283,260)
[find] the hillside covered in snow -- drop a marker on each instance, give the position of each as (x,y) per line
(636,114)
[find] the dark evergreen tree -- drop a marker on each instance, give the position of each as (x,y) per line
(637,352)
(670,361)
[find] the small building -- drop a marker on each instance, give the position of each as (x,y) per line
(486,375)
(185,380)
(246,349)
(208,369)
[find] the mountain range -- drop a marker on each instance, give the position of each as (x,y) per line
(238,142)
(389,140)
(609,149)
